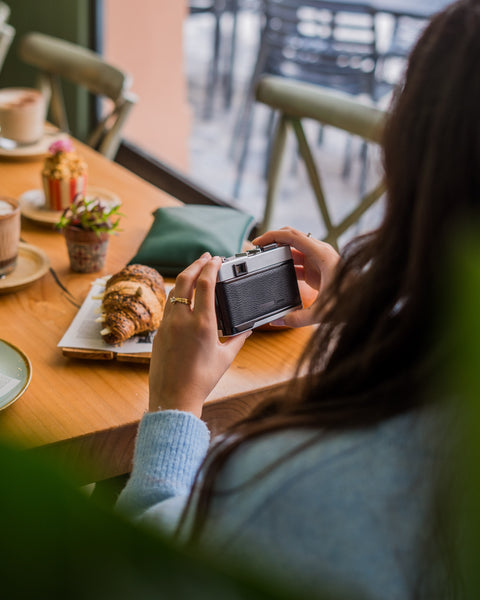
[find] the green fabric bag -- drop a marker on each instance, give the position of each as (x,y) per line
(180,234)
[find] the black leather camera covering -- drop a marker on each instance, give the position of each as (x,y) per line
(243,301)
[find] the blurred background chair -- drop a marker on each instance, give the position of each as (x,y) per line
(4,12)
(405,31)
(329,43)
(224,44)
(57,61)
(296,101)
(223,50)
(7,32)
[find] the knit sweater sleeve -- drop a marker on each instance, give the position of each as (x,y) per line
(169,449)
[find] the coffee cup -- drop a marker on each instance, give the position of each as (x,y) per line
(9,234)
(22,116)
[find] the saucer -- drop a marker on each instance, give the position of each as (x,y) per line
(36,150)
(32,263)
(15,373)
(32,204)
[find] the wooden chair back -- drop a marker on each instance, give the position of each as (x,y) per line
(296,101)
(58,60)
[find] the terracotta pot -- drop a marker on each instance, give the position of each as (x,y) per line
(86,249)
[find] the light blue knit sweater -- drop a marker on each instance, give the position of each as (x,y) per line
(350,509)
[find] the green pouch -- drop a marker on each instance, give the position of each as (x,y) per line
(180,234)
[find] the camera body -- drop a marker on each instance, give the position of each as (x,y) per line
(254,288)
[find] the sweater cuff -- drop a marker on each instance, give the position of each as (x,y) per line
(171,444)
(169,449)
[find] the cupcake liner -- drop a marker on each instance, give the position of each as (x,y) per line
(59,193)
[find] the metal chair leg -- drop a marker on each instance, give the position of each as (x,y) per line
(228,92)
(278,147)
(243,155)
(213,70)
(313,173)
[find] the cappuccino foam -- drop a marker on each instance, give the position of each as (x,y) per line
(6,208)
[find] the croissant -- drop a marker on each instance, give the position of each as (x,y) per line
(133,303)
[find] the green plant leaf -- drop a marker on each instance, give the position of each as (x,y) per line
(91,215)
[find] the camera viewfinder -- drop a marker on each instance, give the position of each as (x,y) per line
(240,269)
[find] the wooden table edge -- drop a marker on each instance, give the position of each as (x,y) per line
(109,453)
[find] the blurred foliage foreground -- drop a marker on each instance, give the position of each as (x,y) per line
(57,543)
(464,324)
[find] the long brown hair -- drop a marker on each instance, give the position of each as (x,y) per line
(384,328)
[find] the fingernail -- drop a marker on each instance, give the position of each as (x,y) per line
(278,323)
(206,255)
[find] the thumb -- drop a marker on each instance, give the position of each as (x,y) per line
(234,344)
(297,318)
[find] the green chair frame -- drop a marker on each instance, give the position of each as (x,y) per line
(57,59)
(295,101)
(4,12)
(7,32)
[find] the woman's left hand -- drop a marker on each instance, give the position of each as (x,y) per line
(188,358)
(315,265)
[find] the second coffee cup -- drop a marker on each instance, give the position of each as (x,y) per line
(9,234)
(22,115)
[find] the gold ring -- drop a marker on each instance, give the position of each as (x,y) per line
(186,301)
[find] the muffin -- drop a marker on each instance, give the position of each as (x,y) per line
(64,175)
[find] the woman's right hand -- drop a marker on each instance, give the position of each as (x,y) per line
(188,358)
(315,264)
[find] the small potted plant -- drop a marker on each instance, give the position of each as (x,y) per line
(87,224)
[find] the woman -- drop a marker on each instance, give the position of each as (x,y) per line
(332,483)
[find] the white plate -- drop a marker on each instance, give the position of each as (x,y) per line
(40,148)
(32,204)
(14,366)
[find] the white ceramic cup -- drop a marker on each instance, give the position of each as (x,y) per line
(9,234)
(22,115)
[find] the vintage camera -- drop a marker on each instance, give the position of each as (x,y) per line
(254,288)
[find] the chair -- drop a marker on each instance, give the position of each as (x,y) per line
(7,32)
(58,60)
(405,32)
(218,8)
(296,101)
(222,63)
(324,42)
(4,12)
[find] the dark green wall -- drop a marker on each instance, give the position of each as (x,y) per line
(67,19)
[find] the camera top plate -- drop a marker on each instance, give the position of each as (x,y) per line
(256,259)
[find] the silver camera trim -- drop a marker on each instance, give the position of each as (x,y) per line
(255,260)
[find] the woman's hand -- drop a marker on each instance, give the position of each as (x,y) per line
(315,263)
(188,358)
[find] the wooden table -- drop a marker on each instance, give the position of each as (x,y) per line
(86,412)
